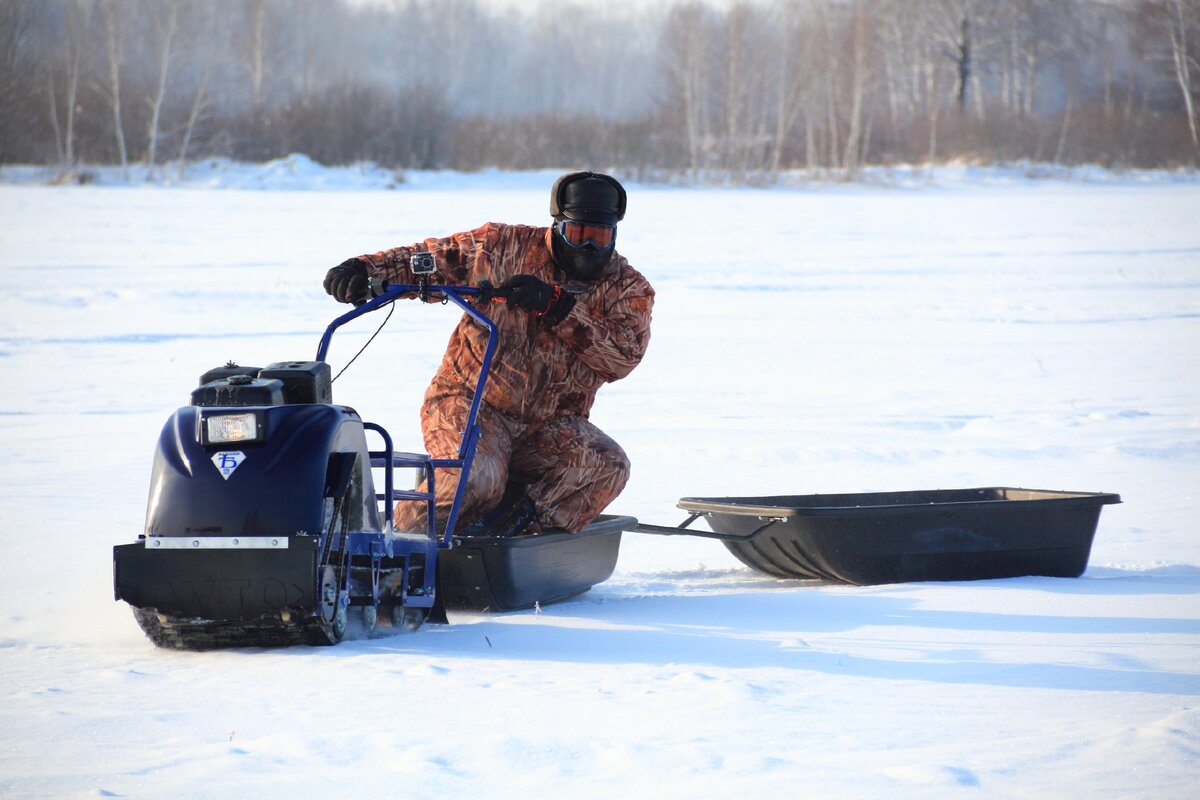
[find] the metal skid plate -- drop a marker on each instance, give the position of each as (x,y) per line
(215,582)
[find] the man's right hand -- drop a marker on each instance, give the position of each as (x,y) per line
(348,282)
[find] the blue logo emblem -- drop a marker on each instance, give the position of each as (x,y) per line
(227,461)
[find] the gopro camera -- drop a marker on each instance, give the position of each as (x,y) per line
(422,264)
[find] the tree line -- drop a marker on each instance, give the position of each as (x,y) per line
(736,92)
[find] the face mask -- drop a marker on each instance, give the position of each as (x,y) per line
(585,263)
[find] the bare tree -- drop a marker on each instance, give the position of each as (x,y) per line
(65,72)
(859,77)
(933,112)
(960,28)
(747,49)
(197,108)
(951,26)
(1025,48)
(687,49)
(16,67)
(165,24)
(1183,24)
(115,20)
(258,23)
(198,60)
(899,39)
(793,85)
(830,73)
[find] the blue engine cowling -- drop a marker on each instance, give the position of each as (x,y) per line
(246,531)
(281,485)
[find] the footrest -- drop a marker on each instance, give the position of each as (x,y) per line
(411,494)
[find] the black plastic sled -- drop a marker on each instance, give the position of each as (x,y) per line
(896,537)
(493,573)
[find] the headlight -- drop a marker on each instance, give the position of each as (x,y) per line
(232,428)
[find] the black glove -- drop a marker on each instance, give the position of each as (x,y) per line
(538,297)
(348,282)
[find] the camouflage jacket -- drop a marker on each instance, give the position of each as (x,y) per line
(539,371)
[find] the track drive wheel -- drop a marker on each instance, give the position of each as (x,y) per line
(331,615)
(364,621)
(408,618)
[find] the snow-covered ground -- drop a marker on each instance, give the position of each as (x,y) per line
(976,330)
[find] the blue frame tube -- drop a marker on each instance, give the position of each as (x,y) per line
(470,437)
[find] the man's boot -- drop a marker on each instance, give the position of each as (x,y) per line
(512,516)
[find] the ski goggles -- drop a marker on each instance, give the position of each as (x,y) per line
(577,234)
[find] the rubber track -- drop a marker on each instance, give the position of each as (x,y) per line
(177,633)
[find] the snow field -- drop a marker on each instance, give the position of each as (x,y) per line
(1040,334)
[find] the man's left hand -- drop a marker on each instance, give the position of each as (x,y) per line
(348,282)
(539,298)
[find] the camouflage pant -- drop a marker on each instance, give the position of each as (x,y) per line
(570,468)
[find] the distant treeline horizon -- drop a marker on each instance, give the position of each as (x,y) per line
(740,92)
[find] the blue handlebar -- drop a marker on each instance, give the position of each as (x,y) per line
(395,291)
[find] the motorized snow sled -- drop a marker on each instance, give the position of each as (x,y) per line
(266,524)
(269,521)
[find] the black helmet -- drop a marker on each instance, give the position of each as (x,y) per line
(586,197)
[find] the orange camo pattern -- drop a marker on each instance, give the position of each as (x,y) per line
(544,379)
(570,469)
(539,372)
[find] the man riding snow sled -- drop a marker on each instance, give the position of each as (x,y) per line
(576,315)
